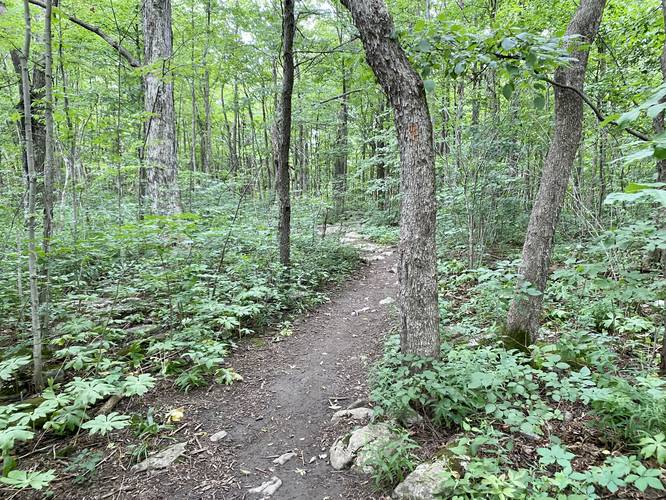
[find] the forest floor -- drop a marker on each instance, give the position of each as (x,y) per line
(292,384)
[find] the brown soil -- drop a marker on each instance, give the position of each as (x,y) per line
(292,385)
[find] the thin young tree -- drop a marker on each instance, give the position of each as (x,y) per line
(661,177)
(48,167)
(524,314)
(419,313)
(284,132)
(30,216)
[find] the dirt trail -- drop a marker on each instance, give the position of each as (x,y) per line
(290,390)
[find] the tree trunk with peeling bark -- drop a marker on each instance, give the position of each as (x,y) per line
(525,311)
(160,156)
(419,314)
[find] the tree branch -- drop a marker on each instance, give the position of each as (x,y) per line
(339,96)
(600,116)
(132,61)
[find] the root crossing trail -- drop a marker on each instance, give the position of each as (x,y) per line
(291,389)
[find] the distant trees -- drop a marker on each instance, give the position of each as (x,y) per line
(524,314)
(159,151)
(419,314)
(223,103)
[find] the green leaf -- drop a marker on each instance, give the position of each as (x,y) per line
(12,365)
(628,117)
(507,90)
(8,437)
(21,479)
(424,45)
(106,423)
(429,85)
(659,153)
(654,110)
(609,119)
(508,43)
(639,155)
(539,102)
(138,386)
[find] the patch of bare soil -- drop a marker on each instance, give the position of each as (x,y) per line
(292,384)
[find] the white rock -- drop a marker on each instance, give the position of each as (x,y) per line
(162,459)
(387,301)
(341,456)
(422,483)
(345,449)
(360,311)
(267,488)
(352,414)
(283,459)
(218,436)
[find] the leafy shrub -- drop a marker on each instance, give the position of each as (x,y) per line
(391,460)
(463,383)
(628,411)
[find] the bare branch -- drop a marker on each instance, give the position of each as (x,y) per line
(339,96)
(600,116)
(132,61)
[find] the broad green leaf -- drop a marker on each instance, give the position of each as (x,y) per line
(429,85)
(508,43)
(507,90)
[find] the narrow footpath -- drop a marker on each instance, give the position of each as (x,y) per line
(291,387)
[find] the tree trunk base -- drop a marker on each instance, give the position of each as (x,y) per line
(517,339)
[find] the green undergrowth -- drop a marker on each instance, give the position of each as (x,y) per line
(165,298)
(503,402)
(509,424)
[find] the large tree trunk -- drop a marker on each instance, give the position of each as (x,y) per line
(284,132)
(160,155)
(525,310)
(419,314)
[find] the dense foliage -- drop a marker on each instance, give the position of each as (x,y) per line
(131,300)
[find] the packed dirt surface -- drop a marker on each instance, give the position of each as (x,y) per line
(292,384)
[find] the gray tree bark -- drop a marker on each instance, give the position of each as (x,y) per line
(284,132)
(419,313)
(30,215)
(160,156)
(525,310)
(45,299)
